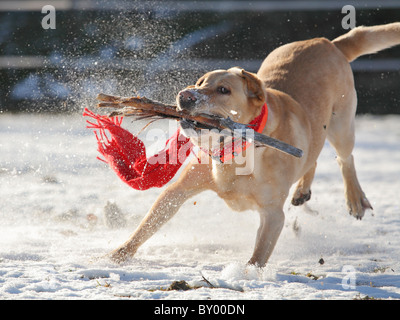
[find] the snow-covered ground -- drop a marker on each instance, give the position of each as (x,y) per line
(54,236)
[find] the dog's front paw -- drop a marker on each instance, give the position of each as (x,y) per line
(120,255)
(357,207)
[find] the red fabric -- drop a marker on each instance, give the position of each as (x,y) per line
(126,154)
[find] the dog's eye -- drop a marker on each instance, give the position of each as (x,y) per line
(223,90)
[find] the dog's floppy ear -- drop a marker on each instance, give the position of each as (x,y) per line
(254,85)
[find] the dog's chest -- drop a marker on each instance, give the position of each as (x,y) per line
(243,165)
(236,190)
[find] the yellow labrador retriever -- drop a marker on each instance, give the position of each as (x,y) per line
(309,90)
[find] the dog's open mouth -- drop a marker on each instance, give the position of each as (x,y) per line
(190,124)
(206,137)
(192,127)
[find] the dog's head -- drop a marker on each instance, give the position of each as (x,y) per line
(233,93)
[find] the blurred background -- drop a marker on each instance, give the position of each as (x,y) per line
(155,48)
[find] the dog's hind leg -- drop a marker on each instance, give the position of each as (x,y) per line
(341,134)
(303,189)
(356,200)
(192,181)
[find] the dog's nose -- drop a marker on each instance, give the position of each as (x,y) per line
(186,99)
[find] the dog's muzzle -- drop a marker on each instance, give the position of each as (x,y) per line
(187,100)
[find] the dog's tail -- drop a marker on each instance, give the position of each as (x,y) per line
(366,40)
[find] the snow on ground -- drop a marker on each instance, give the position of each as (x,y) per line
(53,235)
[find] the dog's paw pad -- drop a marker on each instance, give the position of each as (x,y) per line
(301,198)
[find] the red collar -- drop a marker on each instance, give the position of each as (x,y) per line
(231,150)
(260,121)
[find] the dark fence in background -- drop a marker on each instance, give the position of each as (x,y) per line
(155,48)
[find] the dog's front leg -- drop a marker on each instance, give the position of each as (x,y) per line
(165,207)
(271,224)
(191,182)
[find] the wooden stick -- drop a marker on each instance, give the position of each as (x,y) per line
(144,107)
(141,107)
